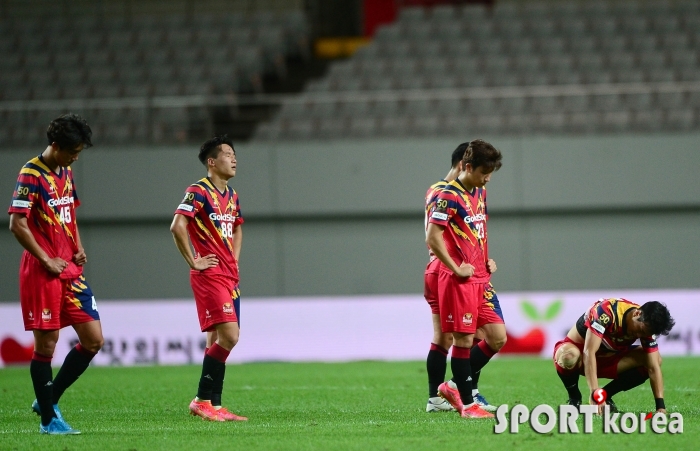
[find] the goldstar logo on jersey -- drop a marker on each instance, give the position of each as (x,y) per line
(225,217)
(65,200)
(475,218)
(616,423)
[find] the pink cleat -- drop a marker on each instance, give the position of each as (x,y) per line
(451,395)
(475,411)
(225,415)
(204,410)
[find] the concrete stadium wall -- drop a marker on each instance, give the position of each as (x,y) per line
(345,217)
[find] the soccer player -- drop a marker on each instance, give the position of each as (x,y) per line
(616,324)
(436,362)
(209,217)
(53,292)
(457,236)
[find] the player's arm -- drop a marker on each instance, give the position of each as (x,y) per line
(590,347)
(237,241)
(656,380)
(179,230)
(437,245)
(79,258)
(20,229)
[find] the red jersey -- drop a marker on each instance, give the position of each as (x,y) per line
(605,320)
(214,216)
(49,200)
(430,199)
(464,215)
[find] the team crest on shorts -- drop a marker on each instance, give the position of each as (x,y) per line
(46,314)
(228,309)
(467,319)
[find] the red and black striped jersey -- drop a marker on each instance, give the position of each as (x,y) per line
(48,200)
(214,217)
(607,319)
(464,215)
(430,199)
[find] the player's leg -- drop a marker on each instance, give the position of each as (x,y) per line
(217,390)
(631,372)
(40,298)
(213,300)
(481,354)
(567,361)
(228,335)
(436,362)
(459,308)
(436,365)
(42,374)
(80,311)
(490,322)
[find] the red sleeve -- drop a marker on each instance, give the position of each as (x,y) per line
(191,203)
(74,194)
(239,216)
(445,207)
(600,319)
(24,195)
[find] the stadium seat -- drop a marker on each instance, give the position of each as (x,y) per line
(362,127)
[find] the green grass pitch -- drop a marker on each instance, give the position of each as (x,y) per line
(345,406)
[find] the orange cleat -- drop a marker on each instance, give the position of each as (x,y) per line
(229,416)
(451,395)
(475,411)
(204,410)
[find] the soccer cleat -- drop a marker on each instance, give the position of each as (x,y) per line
(204,410)
(483,403)
(438,404)
(229,416)
(613,406)
(57,427)
(451,395)
(574,402)
(37,410)
(475,411)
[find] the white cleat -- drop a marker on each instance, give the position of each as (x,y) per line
(438,404)
(484,404)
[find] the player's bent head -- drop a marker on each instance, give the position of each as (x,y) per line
(69,131)
(657,318)
(481,154)
(458,154)
(212,147)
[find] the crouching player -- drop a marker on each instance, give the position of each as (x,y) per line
(616,324)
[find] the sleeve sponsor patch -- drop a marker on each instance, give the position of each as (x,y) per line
(21,203)
(599,327)
(185,207)
(438,215)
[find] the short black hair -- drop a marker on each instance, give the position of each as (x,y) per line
(479,153)
(657,317)
(458,154)
(68,131)
(212,147)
